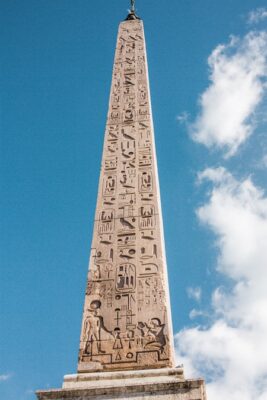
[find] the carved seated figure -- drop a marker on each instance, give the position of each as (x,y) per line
(153,332)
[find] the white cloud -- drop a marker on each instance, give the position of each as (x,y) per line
(257,15)
(231,352)
(196,313)
(238,72)
(5,377)
(194,293)
(183,117)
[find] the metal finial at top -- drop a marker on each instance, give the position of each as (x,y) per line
(132,14)
(132,5)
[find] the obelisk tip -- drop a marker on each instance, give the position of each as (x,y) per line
(132,14)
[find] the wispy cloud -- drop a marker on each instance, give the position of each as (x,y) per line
(183,117)
(257,15)
(194,293)
(232,351)
(197,313)
(5,377)
(238,72)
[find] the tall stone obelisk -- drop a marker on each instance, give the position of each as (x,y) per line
(126,320)
(126,344)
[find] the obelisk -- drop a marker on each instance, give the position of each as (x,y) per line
(126,343)
(126,321)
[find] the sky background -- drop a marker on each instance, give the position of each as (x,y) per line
(208,76)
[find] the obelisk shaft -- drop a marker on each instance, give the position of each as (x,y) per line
(126,321)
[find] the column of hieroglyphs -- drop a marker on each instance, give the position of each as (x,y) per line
(126,322)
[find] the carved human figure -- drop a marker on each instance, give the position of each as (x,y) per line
(94,328)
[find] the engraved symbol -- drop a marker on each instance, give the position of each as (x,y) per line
(106,221)
(109,185)
(126,239)
(112,147)
(126,224)
(129,79)
(148,235)
(128,148)
(144,139)
(106,292)
(113,131)
(143,112)
(129,114)
(128,178)
(145,158)
(109,201)
(118,343)
(130,46)
(127,253)
(106,238)
(128,132)
(130,60)
(130,337)
(108,269)
(147,217)
(115,101)
(97,272)
(115,117)
(142,93)
(150,269)
(127,198)
(111,163)
(147,196)
(125,277)
(149,251)
(127,219)
(129,317)
(143,125)
(102,256)
(117,311)
(145,181)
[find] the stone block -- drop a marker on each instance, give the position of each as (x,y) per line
(164,384)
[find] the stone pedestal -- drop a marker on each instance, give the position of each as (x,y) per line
(162,384)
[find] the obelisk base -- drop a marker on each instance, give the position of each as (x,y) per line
(163,384)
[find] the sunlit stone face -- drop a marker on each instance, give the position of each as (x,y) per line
(126,320)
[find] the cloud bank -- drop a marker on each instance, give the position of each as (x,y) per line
(232,350)
(229,347)
(238,72)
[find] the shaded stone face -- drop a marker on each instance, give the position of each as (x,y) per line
(126,321)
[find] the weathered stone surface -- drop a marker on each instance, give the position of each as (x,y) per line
(165,384)
(126,321)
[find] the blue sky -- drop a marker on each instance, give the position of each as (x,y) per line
(208,77)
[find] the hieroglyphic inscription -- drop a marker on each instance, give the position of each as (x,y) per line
(126,322)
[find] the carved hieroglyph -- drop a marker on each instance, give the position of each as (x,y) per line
(126,321)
